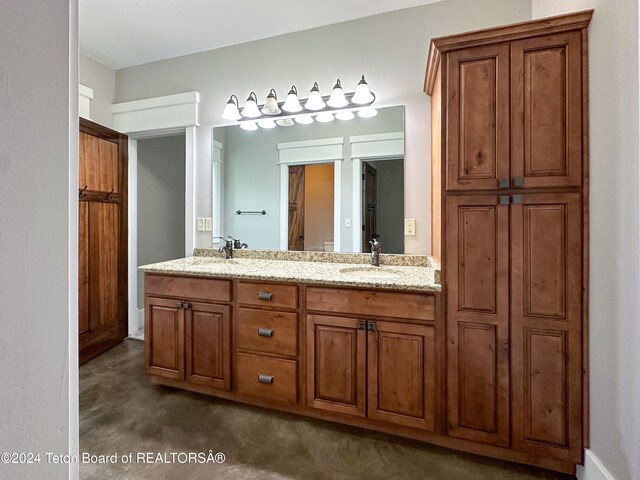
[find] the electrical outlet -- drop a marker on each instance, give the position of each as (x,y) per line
(347,222)
(410,226)
(208,224)
(200,224)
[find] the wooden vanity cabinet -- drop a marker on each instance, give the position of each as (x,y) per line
(187,339)
(370,366)
(510,197)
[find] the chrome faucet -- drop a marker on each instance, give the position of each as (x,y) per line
(376,248)
(237,245)
(227,248)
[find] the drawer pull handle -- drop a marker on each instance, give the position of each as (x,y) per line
(267,379)
(268,296)
(265,332)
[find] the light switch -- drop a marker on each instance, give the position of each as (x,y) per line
(410,226)
(200,224)
(347,222)
(208,224)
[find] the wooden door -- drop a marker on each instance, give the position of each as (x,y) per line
(208,345)
(336,364)
(164,337)
(546,87)
(546,319)
(296,207)
(402,374)
(98,168)
(369,205)
(100,320)
(477,292)
(83,268)
(478,118)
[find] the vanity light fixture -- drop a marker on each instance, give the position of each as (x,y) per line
(250,109)
(231,111)
(271,104)
(315,102)
(339,104)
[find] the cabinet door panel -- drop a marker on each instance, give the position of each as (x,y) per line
(208,345)
(83,268)
(546,313)
(402,374)
(336,362)
(477,290)
(478,117)
(98,164)
(547,110)
(164,338)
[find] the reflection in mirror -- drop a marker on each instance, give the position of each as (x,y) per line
(324,186)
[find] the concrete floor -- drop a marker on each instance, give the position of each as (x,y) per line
(122,412)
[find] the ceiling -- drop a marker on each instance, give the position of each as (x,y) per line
(122,33)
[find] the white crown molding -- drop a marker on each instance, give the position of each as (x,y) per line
(85,95)
(311,151)
(377,145)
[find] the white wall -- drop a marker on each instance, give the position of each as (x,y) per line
(390,49)
(615,232)
(102,80)
(38,234)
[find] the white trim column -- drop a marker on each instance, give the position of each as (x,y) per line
(132,240)
(217,173)
(190,191)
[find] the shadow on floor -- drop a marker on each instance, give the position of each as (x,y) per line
(122,412)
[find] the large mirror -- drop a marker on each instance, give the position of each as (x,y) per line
(315,187)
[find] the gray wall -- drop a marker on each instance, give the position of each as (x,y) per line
(390,49)
(614,327)
(38,234)
(102,80)
(161,207)
(390,180)
(252,173)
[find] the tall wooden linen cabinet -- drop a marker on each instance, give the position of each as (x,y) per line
(102,240)
(510,198)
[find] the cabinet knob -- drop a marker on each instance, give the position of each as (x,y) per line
(265,332)
(267,296)
(266,379)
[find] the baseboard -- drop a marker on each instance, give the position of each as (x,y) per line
(140,318)
(593,468)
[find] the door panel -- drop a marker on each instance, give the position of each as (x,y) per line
(477,286)
(336,352)
(164,338)
(98,168)
(478,110)
(402,374)
(296,207)
(546,315)
(83,267)
(208,345)
(547,111)
(369,205)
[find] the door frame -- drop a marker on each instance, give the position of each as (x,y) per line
(310,152)
(369,148)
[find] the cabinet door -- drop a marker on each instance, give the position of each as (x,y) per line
(477,291)
(402,374)
(546,316)
(98,164)
(547,111)
(164,338)
(208,345)
(336,363)
(478,118)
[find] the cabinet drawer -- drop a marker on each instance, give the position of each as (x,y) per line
(368,302)
(188,287)
(267,377)
(268,331)
(268,295)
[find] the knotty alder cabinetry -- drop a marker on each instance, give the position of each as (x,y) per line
(509,136)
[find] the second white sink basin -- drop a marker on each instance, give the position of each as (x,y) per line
(371,272)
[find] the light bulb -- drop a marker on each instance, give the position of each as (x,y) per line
(285,122)
(337,98)
(345,115)
(271,104)
(266,123)
(325,117)
(249,126)
(292,103)
(314,102)
(231,109)
(363,95)
(250,109)
(367,112)
(304,119)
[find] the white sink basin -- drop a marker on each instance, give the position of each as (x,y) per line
(371,272)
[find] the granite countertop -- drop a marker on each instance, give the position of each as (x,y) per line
(317,268)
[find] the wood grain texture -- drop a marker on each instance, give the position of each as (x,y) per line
(283,326)
(296,207)
(371,302)
(164,338)
(436,167)
(83,267)
(279,295)
(369,205)
(283,388)
(98,169)
(212,290)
